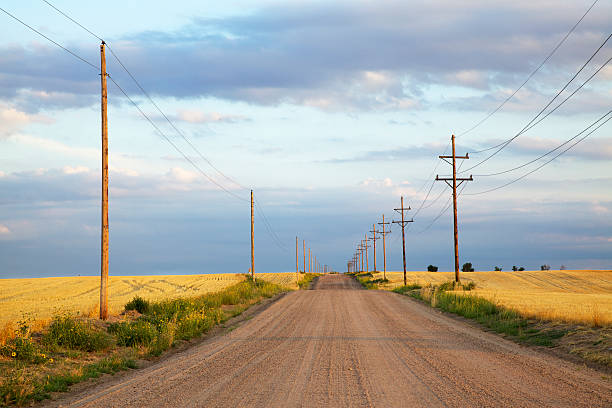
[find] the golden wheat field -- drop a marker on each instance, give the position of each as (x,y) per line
(41,298)
(580,296)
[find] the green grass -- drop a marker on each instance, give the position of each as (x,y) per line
(18,390)
(365,279)
(74,334)
(35,366)
(495,317)
(307,279)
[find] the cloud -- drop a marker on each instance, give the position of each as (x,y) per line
(4,230)
(13,120)
(395,154)
(332,56)
(199,117)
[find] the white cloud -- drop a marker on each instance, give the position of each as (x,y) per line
(13,120)
(198,117)
(75,170)
(4,230)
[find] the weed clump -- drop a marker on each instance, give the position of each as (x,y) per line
(66,331)
(138,304)
(133,334)
(307,278)
(21,347)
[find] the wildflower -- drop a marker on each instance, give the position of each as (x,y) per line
(13,354)
(50,360)
(43,356)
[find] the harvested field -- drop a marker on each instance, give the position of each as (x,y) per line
(41,298)
(578,296)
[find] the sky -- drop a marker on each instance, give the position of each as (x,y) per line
(329,111)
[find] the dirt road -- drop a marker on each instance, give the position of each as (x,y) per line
(340,346)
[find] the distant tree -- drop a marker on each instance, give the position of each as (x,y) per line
(521,269)
(432,268)
(514,268)
(562,267)
(498,268)
(467,267)
(545,267)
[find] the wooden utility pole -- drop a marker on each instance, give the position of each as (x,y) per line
(297,262)
(104,238)
(374,238)
(366,246)
(454,186)
(252,239)
(309,261)
(403,224)
(384,233)
(304,253)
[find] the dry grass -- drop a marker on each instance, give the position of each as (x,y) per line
(286,279)
(41,298)
(583,297)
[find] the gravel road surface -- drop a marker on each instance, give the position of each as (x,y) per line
(340,346)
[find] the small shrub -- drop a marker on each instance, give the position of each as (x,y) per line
(432,268)
(498,269)
(468,286)
(467,267)
(68,332)
(545,267)
(521,269)
(138,304)
(134,334)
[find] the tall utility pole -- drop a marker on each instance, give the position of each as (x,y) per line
(309,261)
(374,238)
(360,248)
(297,262)
(366,246)
(252,239)
(104,238)
(454,186)
(384,233)
(403,224)
(304,253)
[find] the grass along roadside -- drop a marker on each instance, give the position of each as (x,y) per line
(35,363)
(592,343)
(306,279)
(366,279)
(589,341)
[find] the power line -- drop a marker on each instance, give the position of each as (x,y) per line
(545,163)
(96,67)
(73,20)
(523,130)
(547,153)
(146,94)
(148,119)
(445,208)
(145,116)
(128,97)
(268,226)
(529,77)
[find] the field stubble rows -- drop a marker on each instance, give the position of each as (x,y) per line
(42,298)
(577,296)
